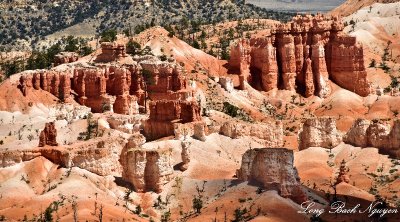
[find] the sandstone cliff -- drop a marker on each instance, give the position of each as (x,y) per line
(272,169)
(376,133)
(166,114)
(146,170)
(319,132)
(271,133)
(302,55)
(112,87)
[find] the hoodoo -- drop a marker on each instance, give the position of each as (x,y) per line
(302,55)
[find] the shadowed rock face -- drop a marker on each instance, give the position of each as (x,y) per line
(302,55)
(48,136)
(272,169)
(319,132)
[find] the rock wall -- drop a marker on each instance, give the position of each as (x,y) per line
(106,89)
(272,169)
(146,170)
(376,133)
(319,132)
(117,88)
(10,158)
(48,136)
(302,55)
(271,133)
(165,114)
(98,155)
(53,82)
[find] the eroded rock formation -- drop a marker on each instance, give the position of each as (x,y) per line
(56,83)
(302,55)
(165,114)
(145,169)
(271,133)
(48,136)
(185,155)
(118,88)
(110,52)
(376,133)
(319,132)
(65,57)
(272,169)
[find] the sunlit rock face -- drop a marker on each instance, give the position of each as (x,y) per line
(302,55)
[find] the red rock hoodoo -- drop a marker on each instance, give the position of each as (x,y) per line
(302,55)
(118,88)
(58,84)
(48,136)
(165,113)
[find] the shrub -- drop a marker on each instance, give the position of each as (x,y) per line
(108,35)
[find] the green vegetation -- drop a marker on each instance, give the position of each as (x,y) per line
(108,35)
(44,59)
(385,58)
(133,48)
(230,109)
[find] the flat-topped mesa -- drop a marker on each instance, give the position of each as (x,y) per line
(65,57)
(164,114)
(302,55)
(48,136)
(272,169)
(110,52)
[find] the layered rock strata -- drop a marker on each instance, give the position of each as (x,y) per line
(146,169)
(110,52)
(97,155)
(117,88)
(319,132)
(165,114)
(302,55)
(272,169)
(271,133)
(377,133)
(56,83)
